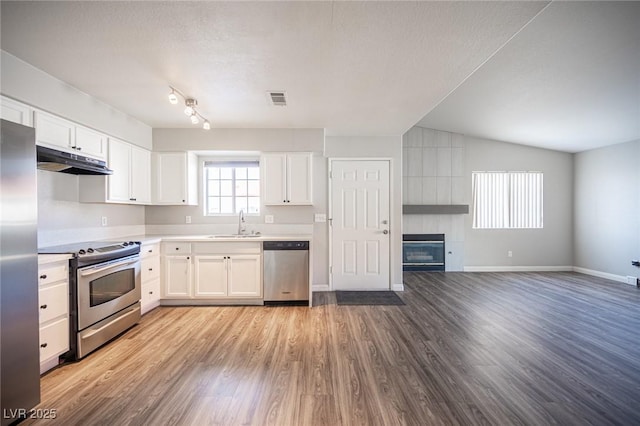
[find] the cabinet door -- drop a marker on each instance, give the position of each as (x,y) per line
(140,175)
(177,277)
(16,112)
(244,275)
(210,276)
(53,301)
(54,339)
(120,163)
(299,179)
(54,131)
(171,178)
(91,143)
(274,178)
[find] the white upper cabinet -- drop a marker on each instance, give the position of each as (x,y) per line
(16,112)
(54,131)
(91,143)
(287,178)
(175,178)
(130,181)
(119,183)
(67,136)
(140,175)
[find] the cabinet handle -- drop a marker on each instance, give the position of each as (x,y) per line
(44,345)
(79,148)
(150,251)
(177,248)
(43,306)
(183,201)
(188,258)
(150,292)
(43,276)
(150,269)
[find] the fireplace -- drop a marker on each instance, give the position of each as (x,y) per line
(423,252)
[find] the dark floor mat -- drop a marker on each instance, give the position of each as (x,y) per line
(368,298)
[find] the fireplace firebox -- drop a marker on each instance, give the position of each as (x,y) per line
(423,252)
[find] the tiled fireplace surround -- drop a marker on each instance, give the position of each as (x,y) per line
(433,174)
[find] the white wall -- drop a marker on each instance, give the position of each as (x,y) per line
(551,246)
(61,218)
(287,219)
(26,83)
(607,209)
(378,147)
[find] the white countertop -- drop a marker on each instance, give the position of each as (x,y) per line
(151,239)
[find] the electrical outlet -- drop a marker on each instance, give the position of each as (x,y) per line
(104,221)
(510,253)
(632,280)
(320,217)
(268,218)
(187,219)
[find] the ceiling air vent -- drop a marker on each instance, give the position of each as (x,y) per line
(278,98)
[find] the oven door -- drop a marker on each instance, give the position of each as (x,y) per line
(107,288)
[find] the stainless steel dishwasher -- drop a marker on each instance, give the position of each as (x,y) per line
(286,271)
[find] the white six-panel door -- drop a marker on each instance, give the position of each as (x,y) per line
(360,224)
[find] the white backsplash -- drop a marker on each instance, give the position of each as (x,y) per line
(56,237)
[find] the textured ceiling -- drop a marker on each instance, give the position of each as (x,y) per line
(565,81)
(570,80)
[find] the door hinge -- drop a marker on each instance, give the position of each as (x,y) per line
(331,269)
(330,174)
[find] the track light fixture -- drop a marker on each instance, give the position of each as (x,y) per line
(190,105)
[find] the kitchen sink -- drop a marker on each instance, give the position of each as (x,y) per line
(234,236)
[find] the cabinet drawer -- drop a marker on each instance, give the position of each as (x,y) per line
(53,301)
(176,248)
(150,268)
(54,339)
(148,250)
(53,272)
(150,292)
(228,247)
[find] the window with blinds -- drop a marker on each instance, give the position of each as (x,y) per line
(231,186)
(507,200)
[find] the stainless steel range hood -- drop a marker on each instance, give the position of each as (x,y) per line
(65,162)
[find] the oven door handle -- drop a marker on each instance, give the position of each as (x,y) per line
(94,270)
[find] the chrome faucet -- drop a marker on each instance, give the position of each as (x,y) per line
(241,223)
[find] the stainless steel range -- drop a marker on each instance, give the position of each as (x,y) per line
(104,280)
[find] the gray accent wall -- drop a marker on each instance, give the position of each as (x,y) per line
(551,246)
(433,175)
(607,209)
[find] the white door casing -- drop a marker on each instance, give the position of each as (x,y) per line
(360,243)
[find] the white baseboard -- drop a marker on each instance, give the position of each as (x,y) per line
(612,277)
(518,268)
(320,287)
(397,287)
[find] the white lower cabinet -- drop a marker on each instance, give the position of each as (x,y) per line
(212,271)
(53,302)
(150,276)
(233,276)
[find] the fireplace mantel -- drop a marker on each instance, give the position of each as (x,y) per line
(435,209)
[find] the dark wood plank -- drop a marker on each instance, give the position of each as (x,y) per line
(467,348)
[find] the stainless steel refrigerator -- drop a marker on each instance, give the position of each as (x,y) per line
(20,347)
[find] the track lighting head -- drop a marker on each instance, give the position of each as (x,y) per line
(190,105)
(172,97)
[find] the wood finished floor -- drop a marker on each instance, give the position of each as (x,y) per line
(484,348)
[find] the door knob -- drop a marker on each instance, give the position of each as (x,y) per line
(385,232)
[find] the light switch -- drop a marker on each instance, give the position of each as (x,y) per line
(320,217)
(268,218)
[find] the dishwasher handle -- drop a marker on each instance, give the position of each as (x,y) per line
(285,245)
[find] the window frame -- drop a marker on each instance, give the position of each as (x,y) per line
(249,160)
(509,194)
